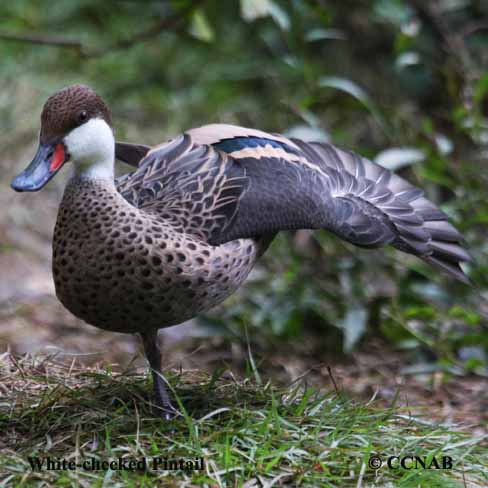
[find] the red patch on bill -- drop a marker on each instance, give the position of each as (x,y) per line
(58,158)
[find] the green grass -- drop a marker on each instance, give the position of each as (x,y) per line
(248,432)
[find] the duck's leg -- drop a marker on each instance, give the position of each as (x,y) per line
(153,355)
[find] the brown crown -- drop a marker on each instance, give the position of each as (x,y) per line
(61,112)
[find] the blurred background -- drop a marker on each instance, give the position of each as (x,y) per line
(403,82)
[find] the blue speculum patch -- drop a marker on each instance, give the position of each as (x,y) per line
(238,143)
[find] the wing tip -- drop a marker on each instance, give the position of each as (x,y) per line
(454,269)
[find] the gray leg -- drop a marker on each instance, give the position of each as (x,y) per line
(153,355)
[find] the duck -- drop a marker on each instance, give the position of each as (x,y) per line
(180,233)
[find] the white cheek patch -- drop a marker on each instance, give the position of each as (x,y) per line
(92,149)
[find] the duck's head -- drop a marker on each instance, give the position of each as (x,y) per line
(76,126)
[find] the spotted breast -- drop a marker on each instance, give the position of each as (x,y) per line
(125,270)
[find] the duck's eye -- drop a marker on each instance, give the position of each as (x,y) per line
(82,116)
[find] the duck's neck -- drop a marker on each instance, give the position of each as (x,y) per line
(98,170)
(92,147)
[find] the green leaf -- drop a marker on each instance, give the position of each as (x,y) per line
(397,157)
(200,27)
(353,89)
(408,58)
(346,86)
(481,88)
(308,133)
(322,34)
(353,326)
(280,16)
(255,9)
(393,11)
(469,316)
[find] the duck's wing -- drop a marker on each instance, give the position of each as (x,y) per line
(130,153)
(274,183)
(194,187)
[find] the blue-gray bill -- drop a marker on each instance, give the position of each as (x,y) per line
(47,162)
